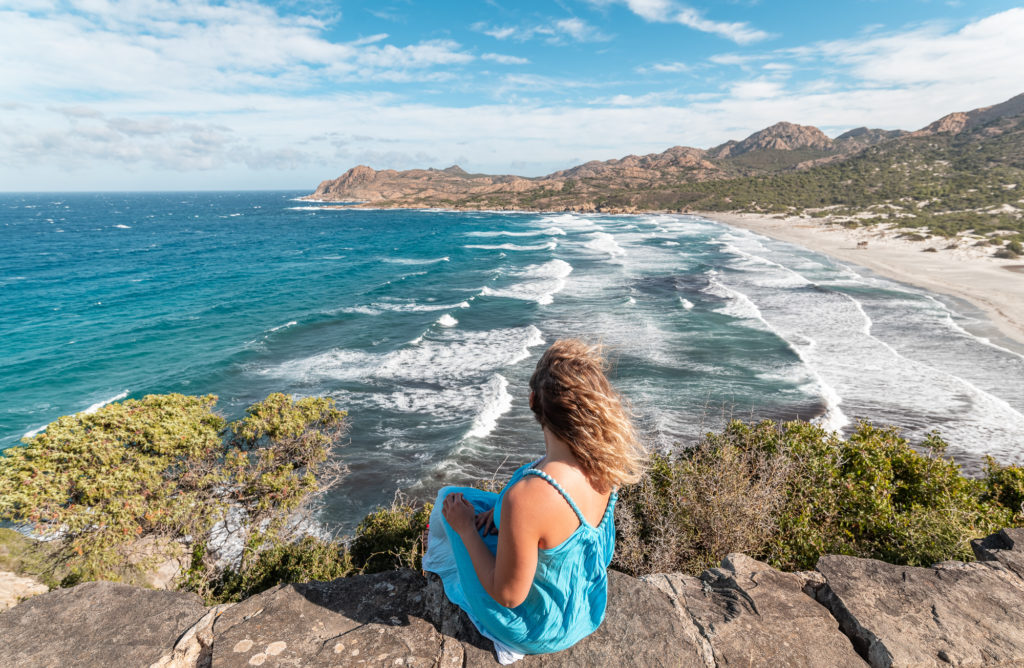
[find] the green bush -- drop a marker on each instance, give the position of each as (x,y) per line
(165,469)
(308,559)
(390,538)
(789,493)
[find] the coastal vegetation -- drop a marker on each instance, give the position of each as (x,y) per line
(167,471)
(114,493)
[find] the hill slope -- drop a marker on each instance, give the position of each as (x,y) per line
(965,170)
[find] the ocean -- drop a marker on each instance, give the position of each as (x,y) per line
(426,325)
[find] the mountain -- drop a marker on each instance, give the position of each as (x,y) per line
(958,163)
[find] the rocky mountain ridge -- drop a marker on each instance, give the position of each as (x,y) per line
(627,183)
(848,612)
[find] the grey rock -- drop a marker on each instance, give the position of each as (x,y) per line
(957,614)
(1005,547)
(402,618)
(96,624)
(750,614)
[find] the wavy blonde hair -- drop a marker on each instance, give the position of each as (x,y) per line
(573,398)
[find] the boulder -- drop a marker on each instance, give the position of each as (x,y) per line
(747,613)
(953,613)
(402,618)
(96,624)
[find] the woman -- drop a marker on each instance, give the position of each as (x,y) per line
(528,565)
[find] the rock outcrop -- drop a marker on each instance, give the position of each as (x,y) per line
(97,624)
(779,137)
(748,613)
(954,613)
(849,612)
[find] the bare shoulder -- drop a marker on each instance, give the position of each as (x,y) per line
(531,496)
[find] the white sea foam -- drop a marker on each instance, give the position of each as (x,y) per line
(685,303)
(550,231)
(669,243)
(496,402)
(286,325)
(123,227)
(742,307)
(377,308)
(454,357)
(602,242)
(100,404)
(405,260)
(542,282)
(447,321)
(33,432)
(550,245)
(960,330)
(738,305)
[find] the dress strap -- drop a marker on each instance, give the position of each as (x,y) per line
(565,494)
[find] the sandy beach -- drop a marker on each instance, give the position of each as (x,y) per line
(994,285)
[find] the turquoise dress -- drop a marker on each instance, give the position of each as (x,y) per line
(569,593)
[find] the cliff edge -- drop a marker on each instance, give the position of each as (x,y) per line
(848,612)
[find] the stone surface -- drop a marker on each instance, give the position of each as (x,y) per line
(1005,547)
(401,618)
(195,647)
(960,614)
(747,613)
(96,624)
(14,588)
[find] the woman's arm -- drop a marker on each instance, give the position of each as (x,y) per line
(507,577)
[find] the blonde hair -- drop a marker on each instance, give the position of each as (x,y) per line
(574,400)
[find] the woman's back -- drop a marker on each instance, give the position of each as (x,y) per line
(559,519)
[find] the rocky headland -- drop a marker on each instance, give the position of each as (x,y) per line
(847,612)
(685,179)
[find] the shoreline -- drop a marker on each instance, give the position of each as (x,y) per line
(993,285)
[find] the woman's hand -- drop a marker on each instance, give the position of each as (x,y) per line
(485,522)
(459,513)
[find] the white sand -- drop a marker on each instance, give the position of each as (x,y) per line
(994,285)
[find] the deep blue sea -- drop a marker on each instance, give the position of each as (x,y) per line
(425,326)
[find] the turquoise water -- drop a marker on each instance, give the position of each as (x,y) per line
(426,325)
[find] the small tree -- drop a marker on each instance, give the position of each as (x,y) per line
(167,468)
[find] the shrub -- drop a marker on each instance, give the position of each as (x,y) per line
(789,493)
(166,468)
(310,558)
(389,538)
(1011,251)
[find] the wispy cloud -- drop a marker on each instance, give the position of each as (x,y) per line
(503,59)
(670,68)
(556,31)
(668,11)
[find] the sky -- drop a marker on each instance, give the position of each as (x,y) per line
(245,94)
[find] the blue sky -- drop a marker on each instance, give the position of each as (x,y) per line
(201,94)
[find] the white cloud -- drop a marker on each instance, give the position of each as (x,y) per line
(559,31)
(172,47)
(668,11)
(670,67)
(503,59)
(991,48)
(199,102)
